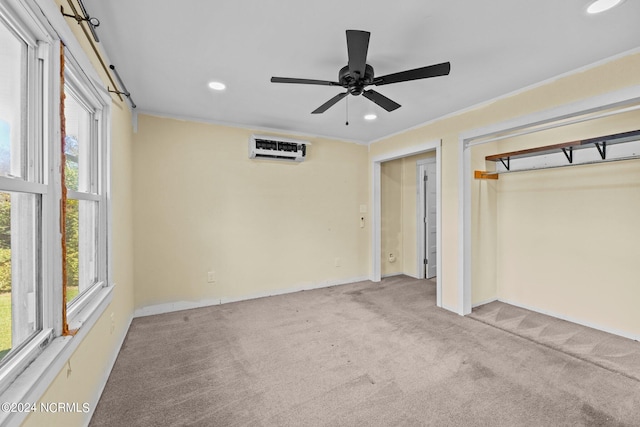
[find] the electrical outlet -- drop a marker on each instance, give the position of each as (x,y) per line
(211,276)
(113,322)
(337,262)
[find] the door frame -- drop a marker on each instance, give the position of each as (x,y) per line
(421,212)
(376,213)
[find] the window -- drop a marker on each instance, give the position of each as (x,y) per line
(82,181)
(34,312)
(21,193)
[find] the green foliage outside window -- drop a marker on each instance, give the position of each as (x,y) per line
(5,242)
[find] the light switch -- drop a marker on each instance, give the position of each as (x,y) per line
(361,222)
(363,208)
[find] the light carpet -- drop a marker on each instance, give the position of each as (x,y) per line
(363,354)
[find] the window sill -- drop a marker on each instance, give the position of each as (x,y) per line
(77,312)
(31,384)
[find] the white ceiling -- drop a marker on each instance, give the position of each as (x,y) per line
(166,52)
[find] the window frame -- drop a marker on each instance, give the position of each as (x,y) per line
(27,375)
(32,180)
(89,95)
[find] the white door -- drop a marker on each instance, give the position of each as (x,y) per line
(431,226)
(427,217)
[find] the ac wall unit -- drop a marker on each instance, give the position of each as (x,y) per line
(276,148)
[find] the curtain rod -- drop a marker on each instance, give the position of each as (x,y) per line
(94,22)
(126,92)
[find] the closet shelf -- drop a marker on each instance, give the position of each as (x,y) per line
(599,143)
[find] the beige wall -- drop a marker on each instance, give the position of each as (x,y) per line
(202,205)
(609,77)
(484,217)
(86,370)
(391,185)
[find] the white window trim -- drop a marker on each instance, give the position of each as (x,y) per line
(44,19)
(81,85)
(39,42)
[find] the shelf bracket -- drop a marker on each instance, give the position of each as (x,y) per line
(603,150)
(568,154)
(508,164)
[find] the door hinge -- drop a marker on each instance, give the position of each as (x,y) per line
(426,261)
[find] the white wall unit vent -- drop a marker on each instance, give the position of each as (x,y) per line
(277,148)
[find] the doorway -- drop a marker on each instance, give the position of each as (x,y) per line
(376,226)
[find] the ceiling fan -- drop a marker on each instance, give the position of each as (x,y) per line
(357,75)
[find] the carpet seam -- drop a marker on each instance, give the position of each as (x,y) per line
(559,350)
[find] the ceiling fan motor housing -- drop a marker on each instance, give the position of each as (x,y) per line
(355,86)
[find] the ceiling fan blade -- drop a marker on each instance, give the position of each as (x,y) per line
(357,47)
(415,74)
(324,107)
(303,81)
(381,100)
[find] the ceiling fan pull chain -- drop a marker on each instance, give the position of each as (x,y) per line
(347,122)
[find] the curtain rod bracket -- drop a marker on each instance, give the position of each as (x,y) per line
(93,21)
(127,94)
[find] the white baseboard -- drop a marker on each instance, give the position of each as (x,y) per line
(187,305)
(449,308)
(392,275)
(478,304)
(413,276)
(582,322)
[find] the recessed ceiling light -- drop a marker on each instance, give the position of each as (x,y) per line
(217,86)
(602,5)
(370,117)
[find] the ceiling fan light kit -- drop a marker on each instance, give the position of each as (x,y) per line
(357,75)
